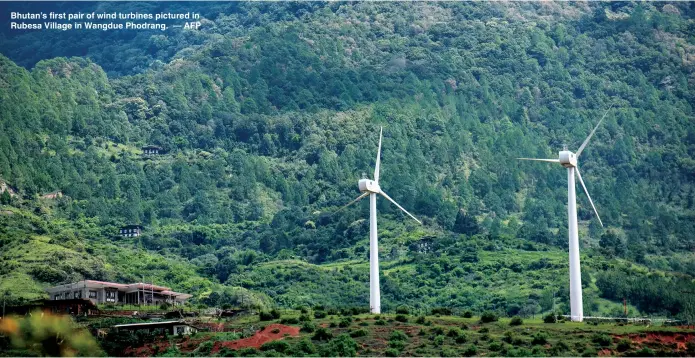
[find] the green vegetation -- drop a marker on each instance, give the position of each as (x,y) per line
(262,115)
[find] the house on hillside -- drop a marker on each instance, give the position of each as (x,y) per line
(131,230)
(53,195)
(175,328)
(152,150)
(100,292)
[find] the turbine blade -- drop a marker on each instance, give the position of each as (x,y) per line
(400,207)
(541,160)
(378,158)
(366,193)
(586,141)
(579,175)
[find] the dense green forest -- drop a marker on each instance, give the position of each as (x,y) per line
(268,117)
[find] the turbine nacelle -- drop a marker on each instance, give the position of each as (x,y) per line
(368,185)
(568,159)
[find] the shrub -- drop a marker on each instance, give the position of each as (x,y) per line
(345,322)
(380,322)
(516,321)
(561,346)
(447,352)
(304,318)
(624,345)
(322,334)
(204,348)
(550,318)
(332,325)
(308,327)
(291,320)
(247,352)
(467,314)
(602,340)
(420,320)
(265,316)
(401,318)
(275,330)
(319,314)
(278,346)
(454,332)
(397,345)
(590,352)
(224,352)
(358,333)
(437,331)
(306,346)
(364,324)
(485,337)
(398,336)
(470,351)
(508,337)
(539,338)
(495,346)
(391,352)
(403,310)
(484,330)
(275,313)
(488,316)
(341,346)
(438,340)
(461,339)
(645,352)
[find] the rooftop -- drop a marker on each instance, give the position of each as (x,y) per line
(145,324)
(120,286)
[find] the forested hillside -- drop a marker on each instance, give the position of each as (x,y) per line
(269,115)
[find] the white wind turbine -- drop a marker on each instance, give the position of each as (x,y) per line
(371,188)
(569,160)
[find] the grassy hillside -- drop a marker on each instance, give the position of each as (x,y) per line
(344,335)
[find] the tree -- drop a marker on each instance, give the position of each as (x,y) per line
(466,224)
(611,244)
(5,198)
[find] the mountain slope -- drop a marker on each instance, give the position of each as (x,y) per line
(267,132)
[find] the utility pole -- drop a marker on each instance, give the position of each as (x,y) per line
(625,306)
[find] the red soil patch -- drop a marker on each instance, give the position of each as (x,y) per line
(147,350)
(662,338)
(605,353)
(259,338)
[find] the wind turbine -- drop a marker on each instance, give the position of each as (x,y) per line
(371,188)
(569,160)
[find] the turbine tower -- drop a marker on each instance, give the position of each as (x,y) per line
(569,160)
(371,188)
